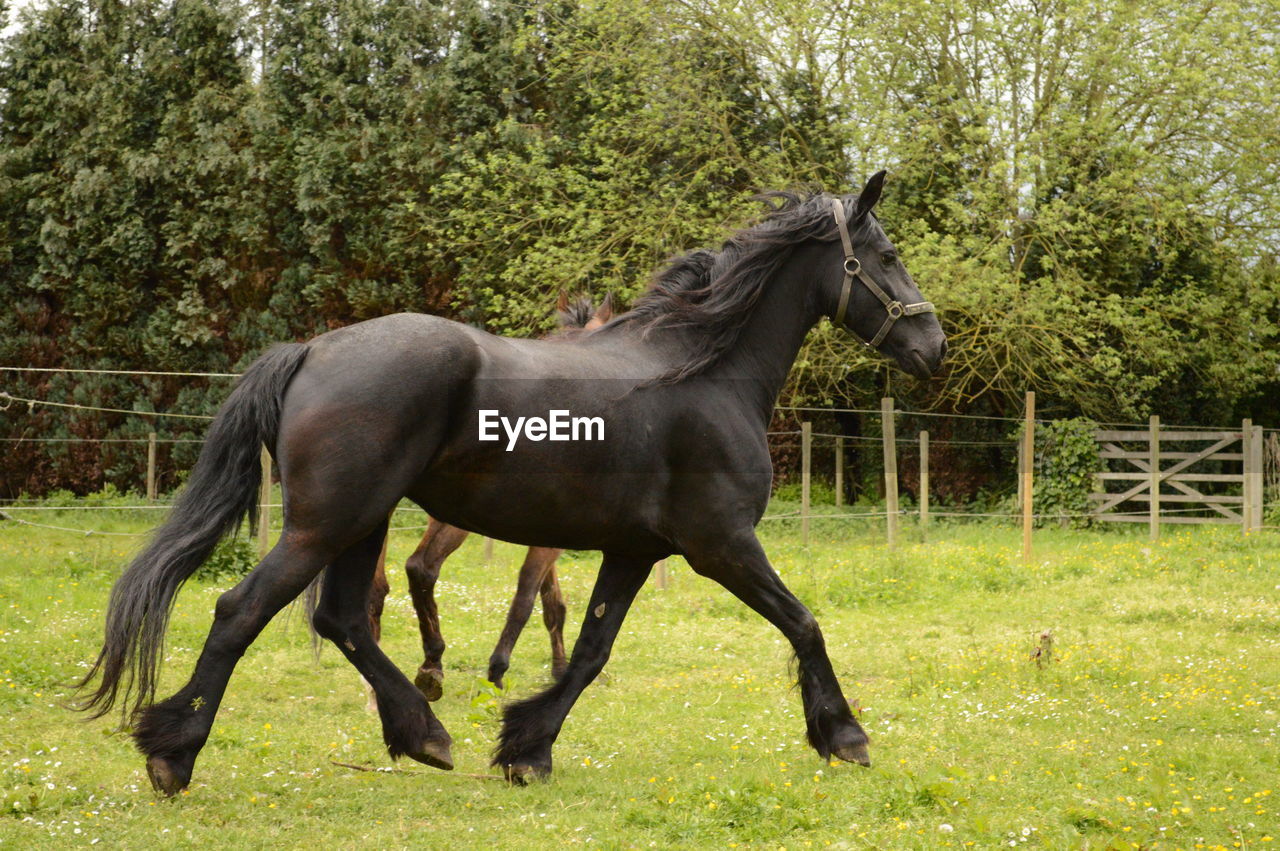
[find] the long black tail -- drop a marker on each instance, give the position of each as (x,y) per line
(221,491)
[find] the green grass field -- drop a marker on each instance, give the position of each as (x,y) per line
(1154,726)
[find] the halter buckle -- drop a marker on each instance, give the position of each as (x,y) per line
(894,309)
(857,266)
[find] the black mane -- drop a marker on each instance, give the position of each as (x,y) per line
(716,290)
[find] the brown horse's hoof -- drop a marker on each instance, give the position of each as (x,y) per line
(164,777)
(855,753)
(435,754)
(430,681)
(522,774)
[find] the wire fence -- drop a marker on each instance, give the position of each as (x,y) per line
(882,452)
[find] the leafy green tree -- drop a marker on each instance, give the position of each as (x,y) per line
(639,143)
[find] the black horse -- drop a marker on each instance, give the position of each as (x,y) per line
(684,385)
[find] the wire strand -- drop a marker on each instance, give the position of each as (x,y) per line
(29,402)
(119,372)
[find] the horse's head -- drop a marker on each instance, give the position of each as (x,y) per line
(874,297)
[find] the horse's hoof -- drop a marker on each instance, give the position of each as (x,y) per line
(855,753)
(435,754)
(164,776)
(522,774)
(430,681)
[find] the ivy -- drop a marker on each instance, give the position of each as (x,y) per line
(1066,459)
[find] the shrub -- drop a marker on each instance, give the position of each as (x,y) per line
(231,559)
(1066,459)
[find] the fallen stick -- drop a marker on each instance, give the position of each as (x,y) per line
(418,773)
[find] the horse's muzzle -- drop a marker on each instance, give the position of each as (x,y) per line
(923,363)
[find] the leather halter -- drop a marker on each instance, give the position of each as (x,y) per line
(852,267)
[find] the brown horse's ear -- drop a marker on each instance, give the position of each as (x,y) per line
(562,303)
(605,312)
(870,195)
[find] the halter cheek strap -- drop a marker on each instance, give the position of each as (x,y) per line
(853,268)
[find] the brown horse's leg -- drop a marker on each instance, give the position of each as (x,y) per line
(423,569)
(408,725)
(171,733)
(377,600)
(530,726)
(537,561)
(553,615)
(743,568)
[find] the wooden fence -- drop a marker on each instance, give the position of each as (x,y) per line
(1169,485)
(1208,477)
(1179,476)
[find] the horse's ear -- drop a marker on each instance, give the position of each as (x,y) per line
(605,312)
(870,194)
(562,303)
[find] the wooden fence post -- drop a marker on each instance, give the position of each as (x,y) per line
(1153,458)
(1252,485)
(660,576)
(151,467)
(806,450)
(1259,482)
(1028,465)
(488,551)
(264,505)
(1246,480)
(839,471)
(1022,466)
(888,432)
(924,485)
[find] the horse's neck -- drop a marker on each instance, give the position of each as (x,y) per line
(762,356)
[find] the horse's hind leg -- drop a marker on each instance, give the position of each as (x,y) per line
(377,600)
(423,569)
(537,561)
(553,615)
(408,725)
(171,733)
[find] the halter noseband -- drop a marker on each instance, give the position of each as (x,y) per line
(852,267)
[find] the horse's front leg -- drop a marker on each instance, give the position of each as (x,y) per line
(530,726)
(740,565)
(537,562)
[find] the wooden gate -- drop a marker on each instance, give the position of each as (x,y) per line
(1172,480)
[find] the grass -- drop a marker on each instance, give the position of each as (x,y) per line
(1154,725)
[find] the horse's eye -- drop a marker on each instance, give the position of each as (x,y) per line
(888,258)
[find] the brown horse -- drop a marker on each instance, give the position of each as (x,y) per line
(537,574)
